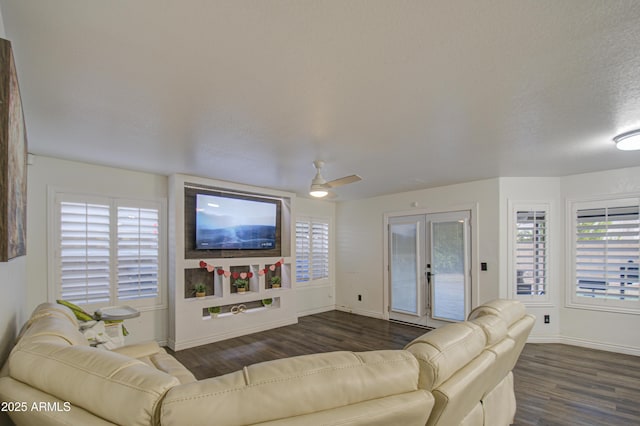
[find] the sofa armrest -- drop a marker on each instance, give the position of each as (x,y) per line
(139,350)
(153,355)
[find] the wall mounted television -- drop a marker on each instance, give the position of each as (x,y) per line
(225,224)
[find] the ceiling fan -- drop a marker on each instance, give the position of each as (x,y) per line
(319,185)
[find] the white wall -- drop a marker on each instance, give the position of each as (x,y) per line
(582,327)
(360,248)
(360,241)
(12,288)
(68,175)
(537,190)
(314,298)
(597,329)
(74,176)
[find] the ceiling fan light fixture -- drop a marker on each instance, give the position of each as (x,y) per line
(629,141)
(318,191)
(319,185)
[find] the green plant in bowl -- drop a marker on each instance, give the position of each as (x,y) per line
(241,284)
(276,282)
(200,290)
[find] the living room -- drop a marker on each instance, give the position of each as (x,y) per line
(597,173)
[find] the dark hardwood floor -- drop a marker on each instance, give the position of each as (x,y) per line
(568,385)
(325,332)
(554,384)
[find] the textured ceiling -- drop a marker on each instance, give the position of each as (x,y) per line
(407,94)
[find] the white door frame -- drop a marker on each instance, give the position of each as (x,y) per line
(474,245)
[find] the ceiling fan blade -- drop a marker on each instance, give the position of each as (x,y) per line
(343,181)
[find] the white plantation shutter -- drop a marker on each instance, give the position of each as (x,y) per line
(138,250)
(303,251)
(531,252)
(319,250)
(83,252)
(107,251)
(607,253)
(312,249)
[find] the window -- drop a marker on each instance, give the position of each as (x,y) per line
(606,248)
(138,249)
(107,251)
(312,250)
(529,252)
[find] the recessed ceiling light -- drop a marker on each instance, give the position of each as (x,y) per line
(629,141)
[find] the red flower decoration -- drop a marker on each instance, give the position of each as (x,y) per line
(220,271)
(278,264)
(203,264)
(235,275)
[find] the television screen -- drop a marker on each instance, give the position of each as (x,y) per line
(224,223)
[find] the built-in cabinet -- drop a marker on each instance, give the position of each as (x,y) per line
(261,306)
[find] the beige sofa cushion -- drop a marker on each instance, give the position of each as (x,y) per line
(406,409)
(293,387)
(442,352)
(495,328)
(115,387)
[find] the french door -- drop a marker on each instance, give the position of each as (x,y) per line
(429,264)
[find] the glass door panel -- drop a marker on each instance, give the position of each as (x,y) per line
(429,274)
(448,269)
(406,254)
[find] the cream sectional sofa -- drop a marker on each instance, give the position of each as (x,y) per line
(458,374)
(467,366)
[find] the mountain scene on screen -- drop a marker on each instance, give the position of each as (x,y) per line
(218,232)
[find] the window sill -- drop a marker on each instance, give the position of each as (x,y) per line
(605,309)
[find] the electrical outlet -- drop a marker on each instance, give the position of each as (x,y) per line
(359,298)
(547,320)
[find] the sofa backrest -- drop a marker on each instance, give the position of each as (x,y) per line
(319,382)
(444,351)
(513,313)
(53,323)
(455,367)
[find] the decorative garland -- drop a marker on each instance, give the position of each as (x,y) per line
(243,275)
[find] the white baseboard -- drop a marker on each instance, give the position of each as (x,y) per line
(364,312)
(316,310)
(186,344)
(573,341)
